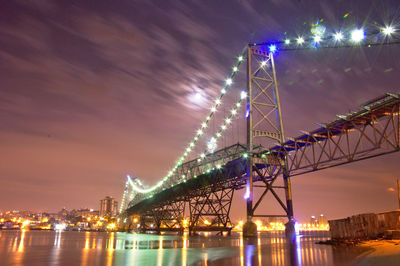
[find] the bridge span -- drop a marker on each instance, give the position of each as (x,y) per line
(207,193)
(202,189)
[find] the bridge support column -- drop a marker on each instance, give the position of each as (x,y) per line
(209,211)
(290,226)
(249,228)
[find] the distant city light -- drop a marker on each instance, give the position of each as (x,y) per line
(287,41)
(357,35)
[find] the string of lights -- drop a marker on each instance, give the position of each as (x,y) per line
(227,120)
(124,197)
(200,131)
(320,38)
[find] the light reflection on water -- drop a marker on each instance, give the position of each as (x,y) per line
(97,248)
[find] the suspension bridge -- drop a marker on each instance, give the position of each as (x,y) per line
(201,187)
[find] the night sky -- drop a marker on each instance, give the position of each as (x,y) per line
(93,90)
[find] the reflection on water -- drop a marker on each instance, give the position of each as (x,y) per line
(97,248)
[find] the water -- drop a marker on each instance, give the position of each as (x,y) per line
(101,248)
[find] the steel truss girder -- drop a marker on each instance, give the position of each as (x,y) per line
(197,167)
(163,217)
(356,139)
(213,205)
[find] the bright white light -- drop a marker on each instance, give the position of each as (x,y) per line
(199,132)
(223,127)
(243,95)
(203,125)
(59,227)
(218,135)
(212,145)
(203,155)
(317,39)
(228,81)
(235,69)
(357,35)
(272,48)
(389,30)
(263,63)
(338,36)
(217,101)
(227,121)
(234,111)
(191,144)
(223,91)
(300,40)
(287,41)
(240,58)
(213,109)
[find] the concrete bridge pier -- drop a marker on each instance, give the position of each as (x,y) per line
(290,230)
(249,229)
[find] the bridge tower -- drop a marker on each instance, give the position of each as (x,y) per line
(264,126)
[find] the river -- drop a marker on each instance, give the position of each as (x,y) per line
(102,248)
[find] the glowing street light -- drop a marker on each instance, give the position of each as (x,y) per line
(388,30)
(338,36)
(357,35)
(300,40)
(317,39)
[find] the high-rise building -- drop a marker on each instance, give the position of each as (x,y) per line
(322,219)
(313,220)
(108,206)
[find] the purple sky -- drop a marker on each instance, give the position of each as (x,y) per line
(93,90)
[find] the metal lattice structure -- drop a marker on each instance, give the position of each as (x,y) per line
(264,126)
(204,187)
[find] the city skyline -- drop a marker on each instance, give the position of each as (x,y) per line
(107,100)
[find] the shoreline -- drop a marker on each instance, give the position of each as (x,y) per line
(380,252)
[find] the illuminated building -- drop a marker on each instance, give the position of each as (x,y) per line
(108,206)
(313,220)
(322,219)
